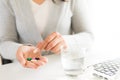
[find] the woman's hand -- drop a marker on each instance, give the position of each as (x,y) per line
(31,52)
(53,43)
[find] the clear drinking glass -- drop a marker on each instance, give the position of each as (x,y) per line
(73,62)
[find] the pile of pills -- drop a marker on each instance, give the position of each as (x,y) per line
(29,59)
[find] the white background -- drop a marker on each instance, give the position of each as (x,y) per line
(105,18)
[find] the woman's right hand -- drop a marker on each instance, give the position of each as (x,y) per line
(25,52)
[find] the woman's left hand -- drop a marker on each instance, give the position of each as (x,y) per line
(30,57)
(53,43)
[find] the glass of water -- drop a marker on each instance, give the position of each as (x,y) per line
(73,62)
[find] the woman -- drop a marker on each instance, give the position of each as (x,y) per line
(27,27)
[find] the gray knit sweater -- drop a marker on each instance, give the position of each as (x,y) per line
(17,25)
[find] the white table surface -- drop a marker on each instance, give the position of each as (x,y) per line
(51,71)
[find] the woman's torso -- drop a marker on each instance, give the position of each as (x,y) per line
(59,19)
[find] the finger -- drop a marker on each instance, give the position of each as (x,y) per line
(37,50)
(44,59)
(49,38)
(57,48)
(38,62)
(29,64)
(40,45)
(53,43)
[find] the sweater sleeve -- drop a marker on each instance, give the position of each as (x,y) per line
(82,36)
(8,32)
